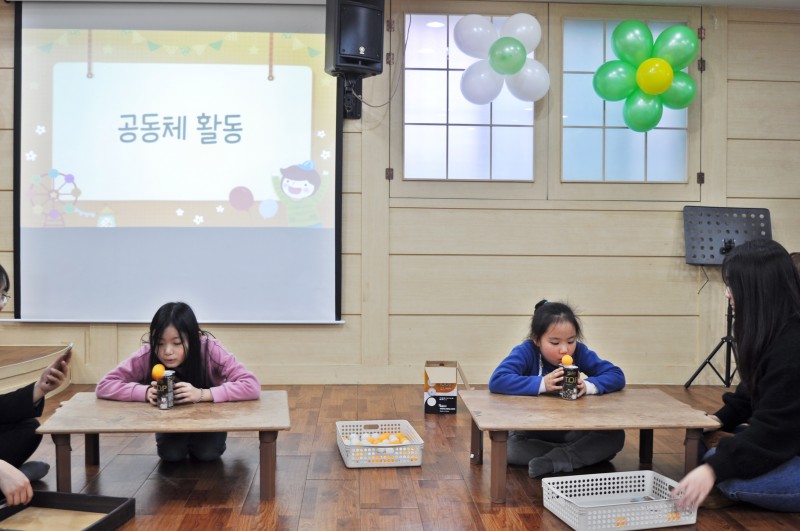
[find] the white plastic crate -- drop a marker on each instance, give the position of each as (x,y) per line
(368,455)
(619,500)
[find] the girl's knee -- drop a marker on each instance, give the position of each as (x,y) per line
(207,453)
(208,447)
(172,454)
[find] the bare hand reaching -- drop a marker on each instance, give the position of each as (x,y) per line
(694,488)
(14,485)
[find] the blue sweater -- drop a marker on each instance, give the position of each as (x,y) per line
(518,374)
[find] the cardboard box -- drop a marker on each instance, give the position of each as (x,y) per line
(441,386)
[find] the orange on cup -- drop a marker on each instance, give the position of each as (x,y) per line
(158,371)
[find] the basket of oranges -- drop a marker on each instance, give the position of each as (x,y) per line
(379,443)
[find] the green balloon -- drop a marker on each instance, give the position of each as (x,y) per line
(507,56)
(642,111)
(677,45)
(632,41)
(614,80)
(681,93)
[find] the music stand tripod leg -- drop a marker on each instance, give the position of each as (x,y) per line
(730,348)
(707,361)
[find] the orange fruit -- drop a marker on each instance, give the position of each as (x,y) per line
(566,360)
(158,371)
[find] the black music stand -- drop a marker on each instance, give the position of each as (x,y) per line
(709,234)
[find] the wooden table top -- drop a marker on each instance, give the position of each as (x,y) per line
(625,409)
(85,413)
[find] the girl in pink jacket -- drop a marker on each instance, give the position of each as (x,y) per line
(204,372)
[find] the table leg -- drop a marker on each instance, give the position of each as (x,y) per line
(92,449)
(269,456)
(692,444)
(499,466)
(476,445)
(63,462)
(646,448)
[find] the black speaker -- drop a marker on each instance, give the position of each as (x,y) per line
(354,38)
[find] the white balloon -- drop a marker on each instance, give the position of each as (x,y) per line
(474,35)
(531,83)
(480,84)
(525,28)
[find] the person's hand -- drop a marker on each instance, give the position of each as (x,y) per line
(152,393)
(53,376)
(14,485)
(552,380)
(581,387)
(694,488)
(186,393)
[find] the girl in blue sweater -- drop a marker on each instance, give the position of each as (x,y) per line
(532,368)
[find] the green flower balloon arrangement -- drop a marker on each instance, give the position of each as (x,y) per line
(648,74)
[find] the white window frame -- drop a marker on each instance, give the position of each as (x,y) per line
(547,183)
(618,191)
(478,189)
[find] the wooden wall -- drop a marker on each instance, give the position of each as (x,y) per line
(433,278)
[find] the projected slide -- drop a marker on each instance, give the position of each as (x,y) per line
(177,165)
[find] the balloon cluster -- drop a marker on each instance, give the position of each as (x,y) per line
(648,74)
(503,59)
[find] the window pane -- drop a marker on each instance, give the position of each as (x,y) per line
(674,118)
(424,152)
(624,155)
(509,110)
(461,110)
(512,153)
(581,105)
(666,155)
(582,155)
(439,120)
(425,97)
(427,41)
(611,25)
(596,143)
(468,153)
(583,45)
(614,114)
(657,27)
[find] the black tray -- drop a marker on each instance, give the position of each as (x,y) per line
(117,510)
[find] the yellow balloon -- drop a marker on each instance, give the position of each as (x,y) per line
(654,76)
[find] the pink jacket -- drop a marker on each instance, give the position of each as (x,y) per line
(230,379)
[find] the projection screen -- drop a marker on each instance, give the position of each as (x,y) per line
(176,152)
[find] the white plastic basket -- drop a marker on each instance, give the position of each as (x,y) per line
(619,500)
(368,455)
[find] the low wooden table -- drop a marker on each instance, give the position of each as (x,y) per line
(87,414)
(642,409)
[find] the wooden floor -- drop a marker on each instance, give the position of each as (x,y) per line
(315,491)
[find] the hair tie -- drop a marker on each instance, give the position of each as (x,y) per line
(540,304)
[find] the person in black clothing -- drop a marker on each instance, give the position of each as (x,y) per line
(760,462)
(18,412)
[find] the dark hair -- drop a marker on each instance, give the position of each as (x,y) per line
(178,314)
(765,286)
(547,313)
(4,280)
(796,259)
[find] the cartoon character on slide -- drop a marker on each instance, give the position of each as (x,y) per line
(301,189)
